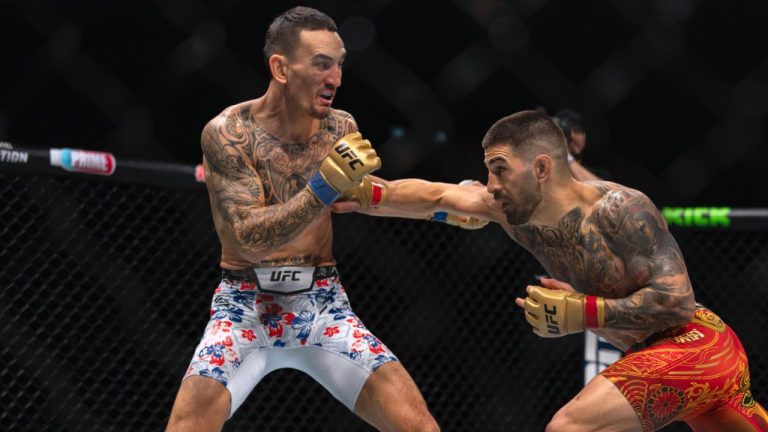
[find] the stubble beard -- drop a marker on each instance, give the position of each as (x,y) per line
(530,197)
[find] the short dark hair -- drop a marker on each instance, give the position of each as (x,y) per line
(568,120)
(526,133)
(283,34)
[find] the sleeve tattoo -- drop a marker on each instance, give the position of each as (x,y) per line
(653,259)
(237,191)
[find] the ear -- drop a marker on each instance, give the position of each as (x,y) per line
(278,65)
(542,167)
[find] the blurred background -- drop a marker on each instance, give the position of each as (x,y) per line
(674,94)
(106,281)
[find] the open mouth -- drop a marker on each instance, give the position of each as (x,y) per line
(327,96)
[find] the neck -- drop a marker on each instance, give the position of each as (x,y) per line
(280,116)
(560,197)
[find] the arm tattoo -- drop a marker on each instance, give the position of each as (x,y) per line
(237,190)
(636,232)
(271,227)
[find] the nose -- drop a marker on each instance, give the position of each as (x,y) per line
(493,184)
(334,77)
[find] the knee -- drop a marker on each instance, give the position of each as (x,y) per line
(201,404)
(560,422)
(430,425)
(415,420)
(182,420)
(425,423)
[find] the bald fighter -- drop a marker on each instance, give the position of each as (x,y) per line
(272,167)
(617,271)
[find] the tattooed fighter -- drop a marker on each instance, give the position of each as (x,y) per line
(272,167)
(617,272)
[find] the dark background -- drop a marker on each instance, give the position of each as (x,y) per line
(106,285)
(106,288)
(674,93)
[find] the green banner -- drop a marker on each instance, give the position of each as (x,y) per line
(697,216)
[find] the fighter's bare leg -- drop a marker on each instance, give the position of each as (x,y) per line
(599,406)
(390,401)
(202,404)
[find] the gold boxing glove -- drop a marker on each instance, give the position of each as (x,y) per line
(368,193)
(349,160)
(466,222)
(555,313)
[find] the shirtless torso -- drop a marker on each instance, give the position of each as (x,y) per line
(611,249)
(255,168)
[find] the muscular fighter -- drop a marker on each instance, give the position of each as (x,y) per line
(272,167)
(616,271)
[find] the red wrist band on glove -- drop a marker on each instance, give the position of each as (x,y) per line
(594,312)
(375,194)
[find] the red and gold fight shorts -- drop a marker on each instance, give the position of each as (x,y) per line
(698,374)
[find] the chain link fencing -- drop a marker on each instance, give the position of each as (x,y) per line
(107,285)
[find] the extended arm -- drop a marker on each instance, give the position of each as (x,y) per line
(420,199)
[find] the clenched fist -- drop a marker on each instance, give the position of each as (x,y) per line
(555,313)
(350,159)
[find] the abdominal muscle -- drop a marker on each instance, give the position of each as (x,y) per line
(312,247)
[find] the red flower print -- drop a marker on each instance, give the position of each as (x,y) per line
(221,326)
(249,334)
(261,298)
(665,403)
(330,331)
(355,322)
(288,318)
(276,331)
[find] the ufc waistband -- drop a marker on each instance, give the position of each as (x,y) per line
(281,280)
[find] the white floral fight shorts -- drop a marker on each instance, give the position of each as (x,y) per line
(264,319)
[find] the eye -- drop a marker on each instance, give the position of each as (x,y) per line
(323,65)
(498,170)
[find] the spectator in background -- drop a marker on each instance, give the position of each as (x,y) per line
(576,141)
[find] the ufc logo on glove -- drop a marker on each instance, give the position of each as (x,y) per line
(344,151)
(552,324)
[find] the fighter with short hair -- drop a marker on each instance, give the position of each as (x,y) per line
(272,167)
(617,271)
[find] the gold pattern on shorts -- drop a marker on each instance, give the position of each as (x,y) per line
(690,336)
(744,383)
(709,320)
(665,403)
(747,400)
